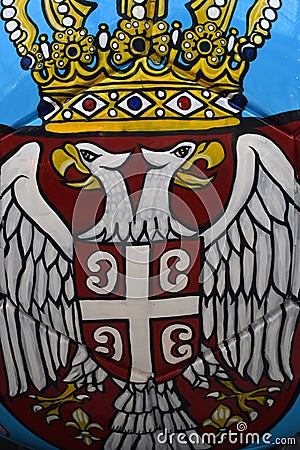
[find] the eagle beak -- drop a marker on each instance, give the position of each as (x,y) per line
(64,158)
(212,152)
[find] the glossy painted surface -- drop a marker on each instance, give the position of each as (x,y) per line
(201,196)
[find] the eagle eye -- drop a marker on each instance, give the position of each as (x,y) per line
(181,152)
(89,156)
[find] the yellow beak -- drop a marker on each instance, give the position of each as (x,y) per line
(64,158)
(212,152)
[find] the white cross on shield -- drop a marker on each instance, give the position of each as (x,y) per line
(139,308)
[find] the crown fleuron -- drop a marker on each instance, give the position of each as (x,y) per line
(146,75)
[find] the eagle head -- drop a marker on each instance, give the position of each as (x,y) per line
(88,159)
(180,161)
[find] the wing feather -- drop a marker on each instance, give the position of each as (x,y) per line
(223,247)
(282,257)
(271,196)
(225,351)
(10,342)
(54,345)
(221,277)
(12,221)
(47,354)
(29,332)
(288,329)
(263,262)
(63,349)
(234,237)
(25,279)
(13,266)
(256,365)
(245,349)
(221,320)
(273,344)
(69,286)
(231,350)
(247,229)
(213,257)
(258,213)
(39,292)
(40,285)
(253,315)
(26,235)
(234,266)
(50,254)
(208,319)
(230,329)
(207,279)
(38,244)
(62,267)
(54,284)
(248,262)
(243,312)
(293,217)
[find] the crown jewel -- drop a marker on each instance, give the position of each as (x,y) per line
(144,75)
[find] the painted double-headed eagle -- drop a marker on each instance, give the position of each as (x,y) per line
(147,76)
(250,279)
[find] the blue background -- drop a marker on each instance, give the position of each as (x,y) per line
(272,84)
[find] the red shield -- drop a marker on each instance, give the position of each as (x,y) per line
(140,305)
(105,274)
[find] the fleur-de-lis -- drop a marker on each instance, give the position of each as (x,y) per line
(221,419)
(82,423)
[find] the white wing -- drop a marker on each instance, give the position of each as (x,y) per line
(251,273)
(39,314)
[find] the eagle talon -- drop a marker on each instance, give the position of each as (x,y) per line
(54,404)
(253,415)
(50,418)
(215,394)
(243,398)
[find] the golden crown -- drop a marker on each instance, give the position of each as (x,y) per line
(146,74)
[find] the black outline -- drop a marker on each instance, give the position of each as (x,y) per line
(128,112)
(186,116)
(72,106)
